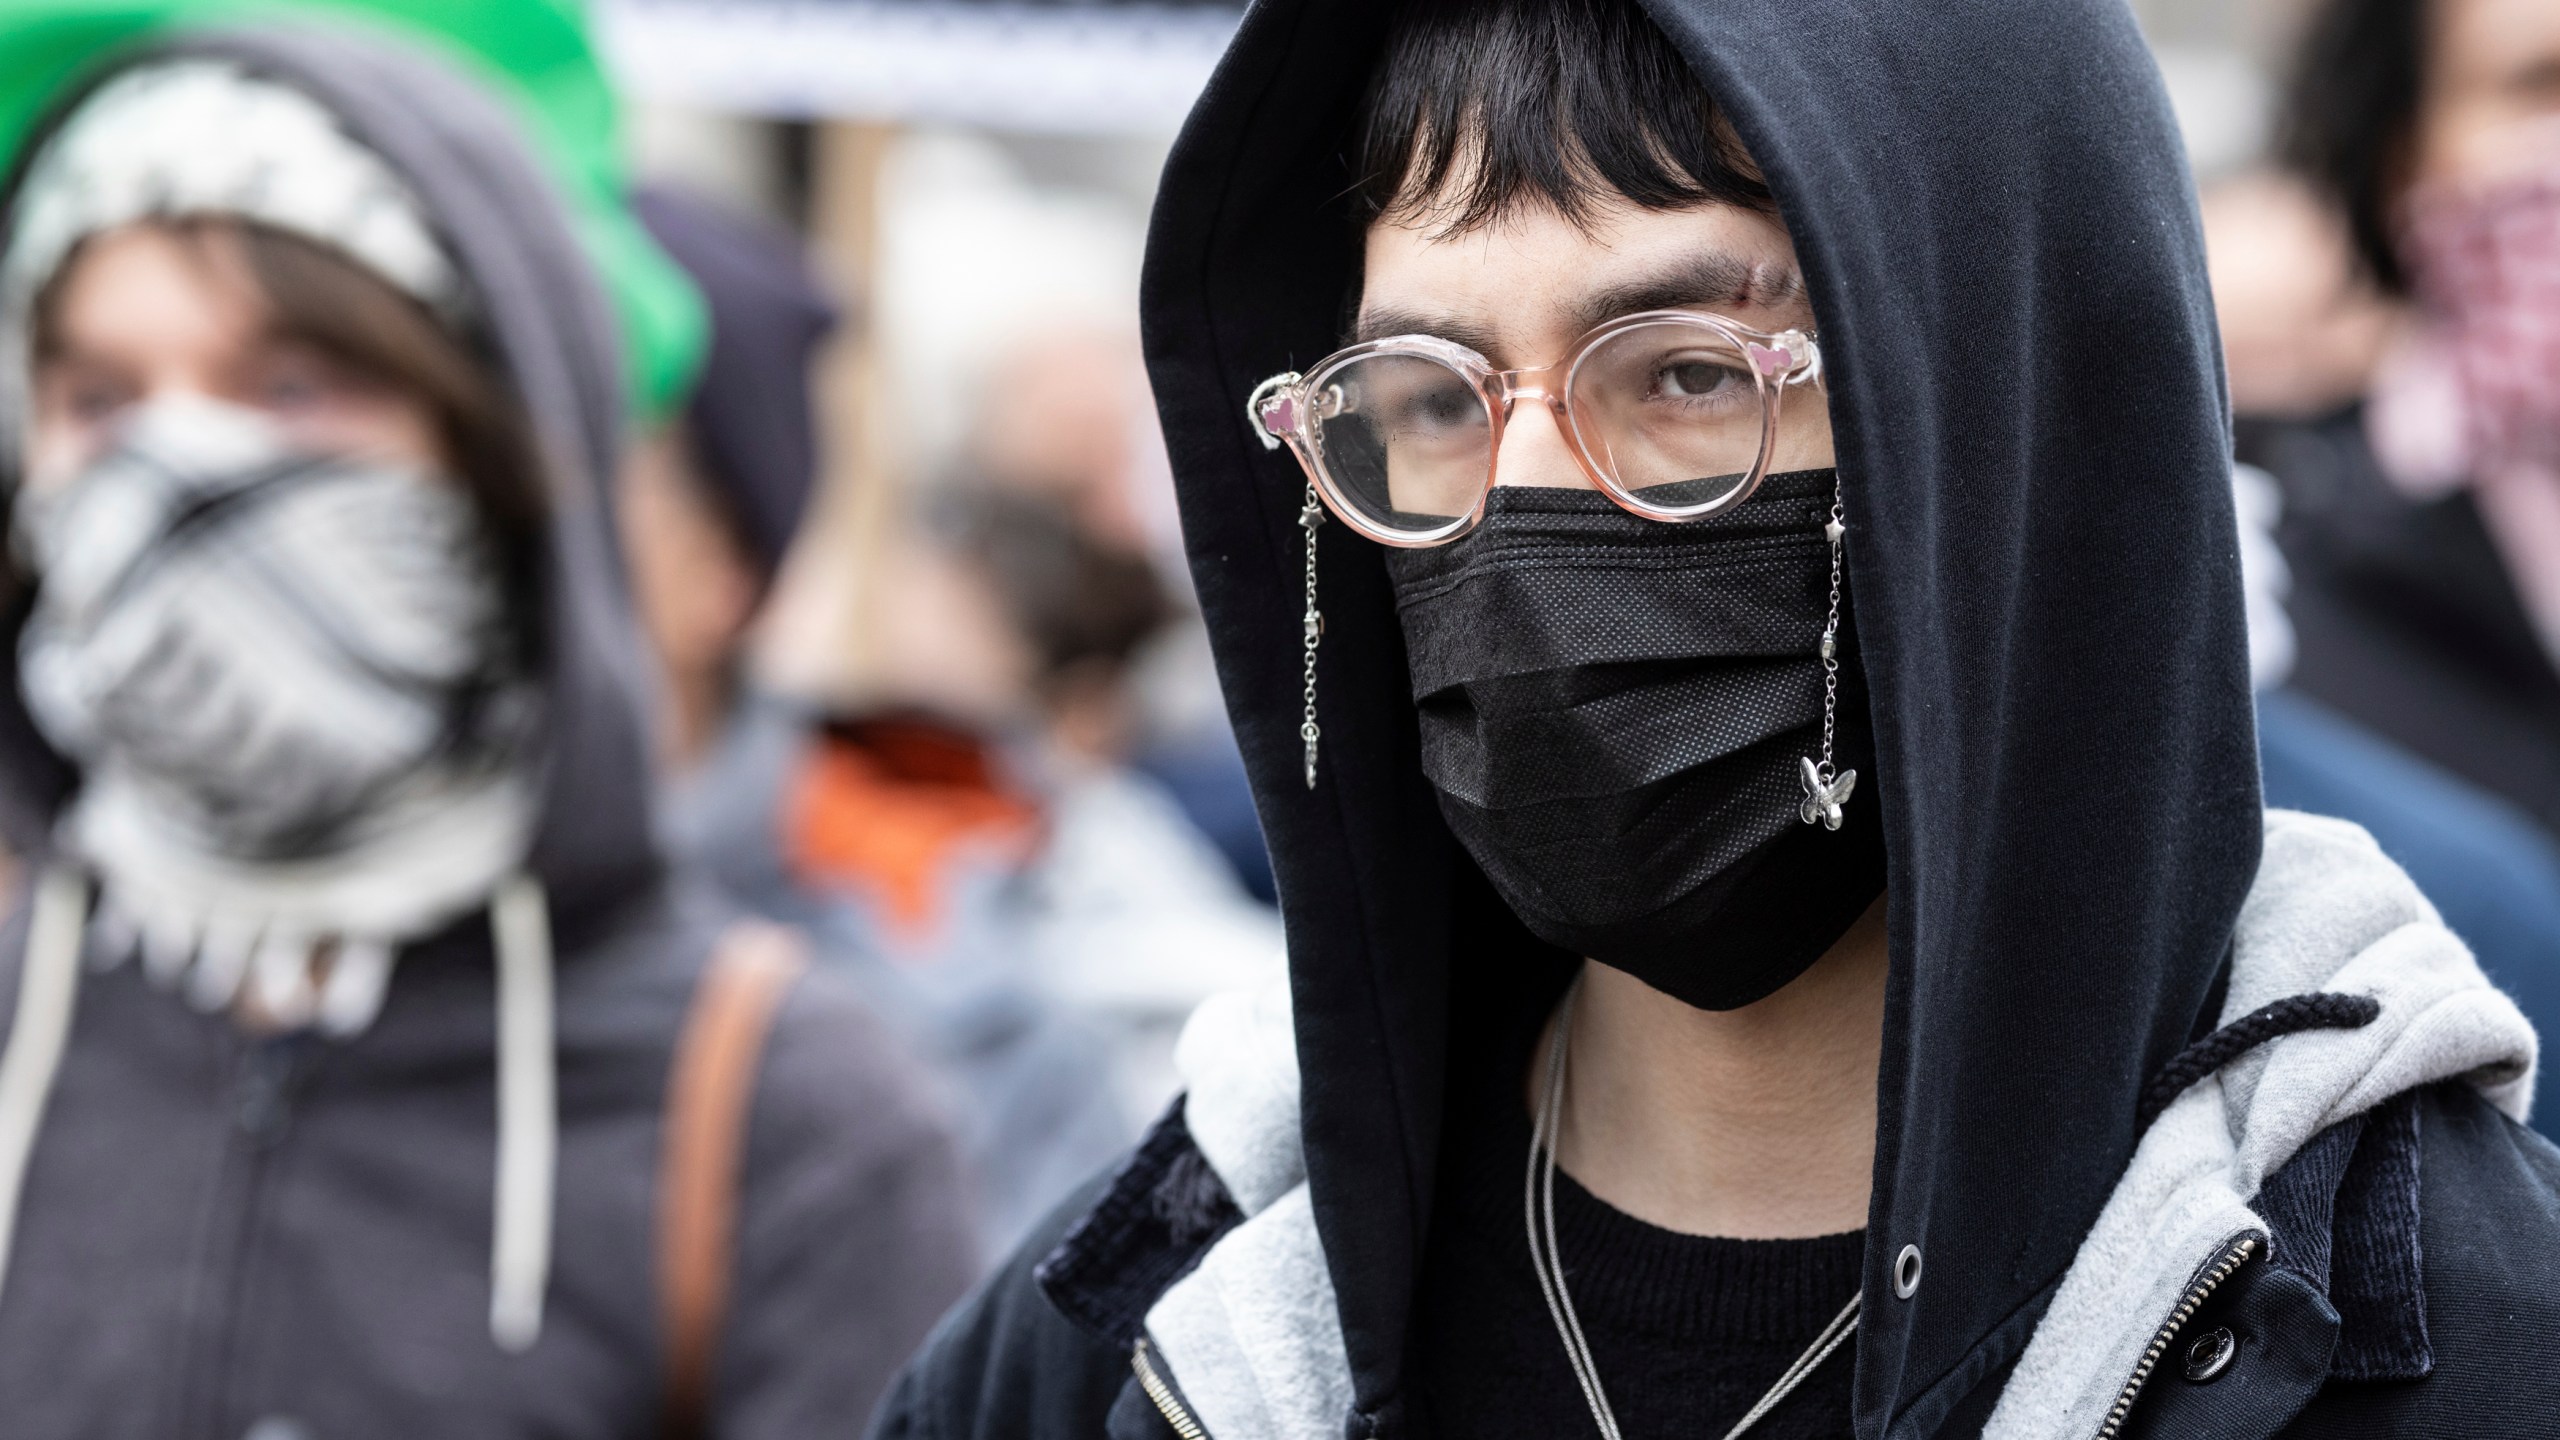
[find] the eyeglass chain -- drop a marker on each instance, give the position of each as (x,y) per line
(1540,1202)
(1309,519)
(1826,788)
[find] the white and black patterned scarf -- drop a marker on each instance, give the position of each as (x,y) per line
(289,685)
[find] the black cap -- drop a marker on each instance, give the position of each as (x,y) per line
(751,417)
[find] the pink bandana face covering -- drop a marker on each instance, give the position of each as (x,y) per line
(2473,399)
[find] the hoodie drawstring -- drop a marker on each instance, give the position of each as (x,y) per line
(48,984)
(528,1115)
(2317,1010)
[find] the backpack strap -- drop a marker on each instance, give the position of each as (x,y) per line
(710,1093)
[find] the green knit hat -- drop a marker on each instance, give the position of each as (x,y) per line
(534,54)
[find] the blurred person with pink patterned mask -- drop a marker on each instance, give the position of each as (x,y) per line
(2423,526)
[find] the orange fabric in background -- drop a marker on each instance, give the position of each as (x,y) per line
(883,808)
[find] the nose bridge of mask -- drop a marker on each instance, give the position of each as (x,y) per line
(1529,606)
(1566,627)
(167,459)
(321,614)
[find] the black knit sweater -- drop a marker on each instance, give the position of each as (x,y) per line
(1687,1332)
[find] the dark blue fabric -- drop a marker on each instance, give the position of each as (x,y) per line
(2488,866)
(1161,1212)
(2297,1200)
(2479,1196)
(2377,1270)
(2343,1215)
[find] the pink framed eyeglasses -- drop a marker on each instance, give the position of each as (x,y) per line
(1674,414)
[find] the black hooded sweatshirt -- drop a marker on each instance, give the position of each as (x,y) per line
(1993,215)
(222,1235)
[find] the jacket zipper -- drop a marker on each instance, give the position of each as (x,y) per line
(255,1108)
(2235,1253)
(1167,1404)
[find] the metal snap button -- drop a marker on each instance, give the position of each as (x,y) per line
(2211,1354)
(1906,1273)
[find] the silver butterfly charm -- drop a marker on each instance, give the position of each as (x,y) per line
(1822,801)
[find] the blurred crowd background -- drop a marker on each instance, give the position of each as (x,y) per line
(932,686)
(972,183)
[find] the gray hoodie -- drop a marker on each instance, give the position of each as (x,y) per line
(1251,1339)
(220,1235)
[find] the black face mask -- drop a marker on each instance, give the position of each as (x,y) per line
(1616,712)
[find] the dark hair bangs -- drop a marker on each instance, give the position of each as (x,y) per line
(1479,106)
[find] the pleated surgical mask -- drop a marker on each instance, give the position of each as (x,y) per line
(1617,713)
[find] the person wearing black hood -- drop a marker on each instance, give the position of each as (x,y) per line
(713,500)
(369,1070)
(1746,689)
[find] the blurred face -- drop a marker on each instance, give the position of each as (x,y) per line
(142,315)
(694,585)
(1522,290)
(2492,90)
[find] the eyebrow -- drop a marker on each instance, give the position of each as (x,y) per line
(1704,280)
(1389,320)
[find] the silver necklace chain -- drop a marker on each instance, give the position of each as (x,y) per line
(1540,1203)
(1309,519)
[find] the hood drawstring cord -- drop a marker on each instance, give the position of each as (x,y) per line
(528,1115)
(2317,1010)
(48,986)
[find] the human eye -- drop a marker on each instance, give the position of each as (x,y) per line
(95,400)
(295,381)
(2537,82)
(84,394)
(1413,401)
(1436,409)
(1699,379)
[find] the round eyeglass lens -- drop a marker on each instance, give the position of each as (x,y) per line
(1674,412)
(1404,439)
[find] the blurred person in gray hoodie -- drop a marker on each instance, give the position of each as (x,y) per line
(970,846)
(370,1071)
